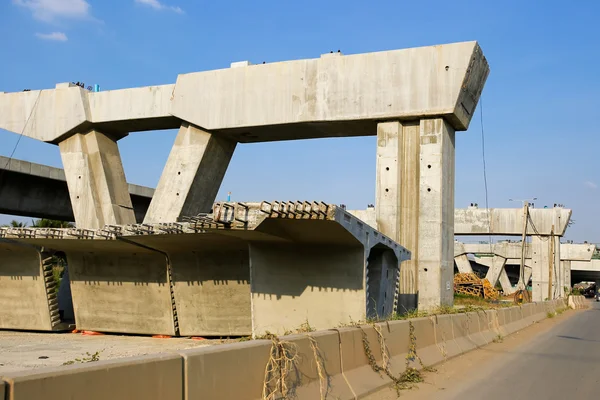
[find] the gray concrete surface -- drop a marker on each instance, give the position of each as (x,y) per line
(40,191)
(561,363)
(26,351)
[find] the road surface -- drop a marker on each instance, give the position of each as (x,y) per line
(558,358)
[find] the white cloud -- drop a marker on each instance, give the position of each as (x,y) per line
(157,5)
(50,10)
(590,184)
(55,36)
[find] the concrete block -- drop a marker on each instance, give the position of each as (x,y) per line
(325,356)
(426,342)
(147,377)
(445,336)
(464,331)
(396,337)
(361,377)
(226,372)
(486,326)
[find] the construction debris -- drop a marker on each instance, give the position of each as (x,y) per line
(470,284)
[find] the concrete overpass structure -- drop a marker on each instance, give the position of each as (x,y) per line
(545,226)
(509,253)
(413,100)
(35,190)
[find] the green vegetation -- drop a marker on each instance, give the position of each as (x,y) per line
(90,358)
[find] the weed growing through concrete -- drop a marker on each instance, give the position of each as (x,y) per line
(498,339)
(90,358)
(282,362)
(550,314)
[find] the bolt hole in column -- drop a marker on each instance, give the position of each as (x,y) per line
(178,172)
(429,189)
(387,168)
(425,269)
(387,190)
(429,166)
(177,194)
(79,176)
(77,196)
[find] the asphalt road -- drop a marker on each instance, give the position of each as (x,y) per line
(556,359)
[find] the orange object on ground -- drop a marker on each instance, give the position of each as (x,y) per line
(91,333)
(161,336)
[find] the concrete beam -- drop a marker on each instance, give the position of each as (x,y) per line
(96,181)
(510,221)
(237,271)
(40,191)
(192,176)
(278,101)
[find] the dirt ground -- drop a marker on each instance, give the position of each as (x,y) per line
(26,350)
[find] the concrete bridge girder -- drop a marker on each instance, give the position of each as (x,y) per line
(237,271)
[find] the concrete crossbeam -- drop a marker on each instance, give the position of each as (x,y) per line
(510,221)
(96,180)
(271,101)
(237,271)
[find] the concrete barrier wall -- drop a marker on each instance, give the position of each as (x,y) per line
(148,377)
(577,302)
(332,362)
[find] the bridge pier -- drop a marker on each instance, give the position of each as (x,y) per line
(96,180)
(192,175)
(415,205)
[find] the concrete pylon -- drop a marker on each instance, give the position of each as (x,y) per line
(192,176)
(546,268)
(96,180)
(495,270)
(463,264)
(566,268)
(415,185)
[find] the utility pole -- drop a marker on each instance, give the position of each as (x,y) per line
(521,285)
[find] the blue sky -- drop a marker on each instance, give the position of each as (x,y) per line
(540,103)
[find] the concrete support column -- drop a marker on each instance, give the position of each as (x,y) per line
(96,181)
(544,268)
(558,273)
(566,267)
(507,287)
(495,270)
(415,205)
(463,264)
(192,176)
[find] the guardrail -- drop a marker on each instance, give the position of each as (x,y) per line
(335,363)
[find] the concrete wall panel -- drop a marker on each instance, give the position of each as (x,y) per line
(23,295)
(313,280)
(226,372)
(147,377)
(212,292)
(125,292)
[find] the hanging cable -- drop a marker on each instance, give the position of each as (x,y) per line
(19,139)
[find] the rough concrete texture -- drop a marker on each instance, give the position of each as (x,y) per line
(40,191)
(252,103)
(510,221)
(192,176)
(221,273)
(147,377)
(27,295)
(32,351)
(96,180)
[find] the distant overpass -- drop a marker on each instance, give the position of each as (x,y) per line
(39,191)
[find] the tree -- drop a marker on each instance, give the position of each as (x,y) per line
(50,223)
(16,224)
